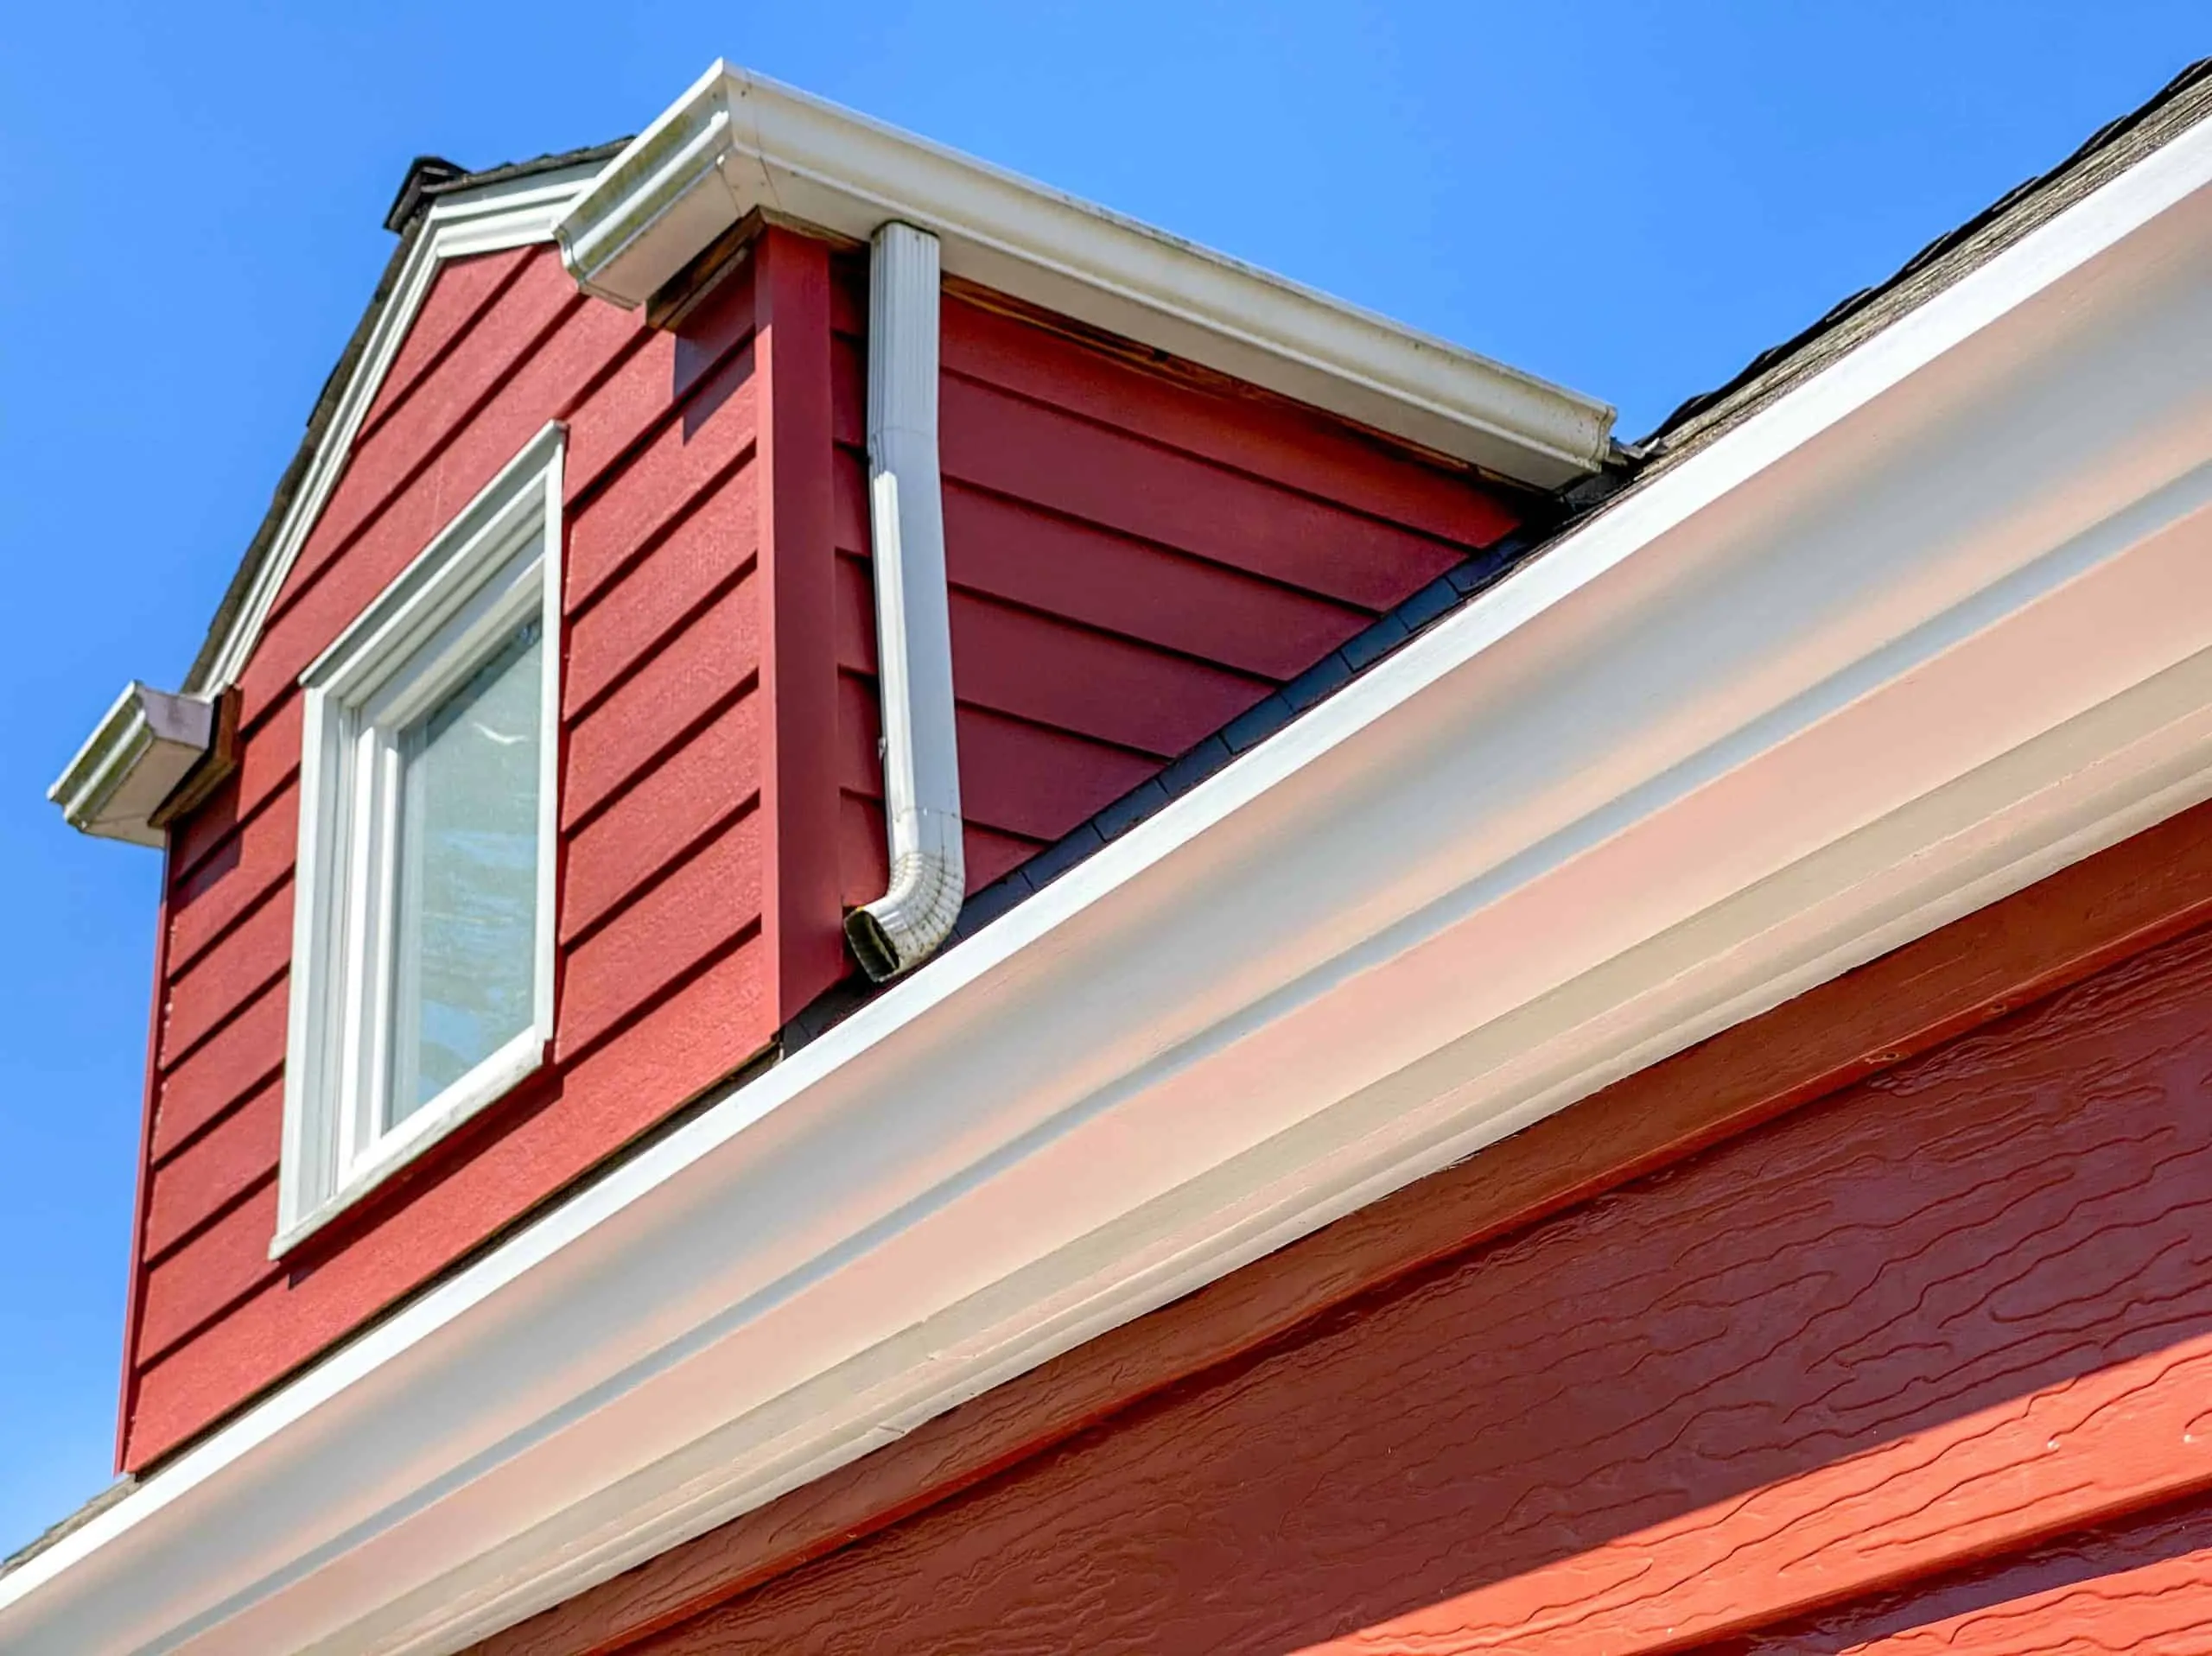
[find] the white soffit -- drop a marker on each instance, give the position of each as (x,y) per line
(737,142)
(1934,624)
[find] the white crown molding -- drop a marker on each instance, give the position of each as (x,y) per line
(737,141)
(1934,624)
(490,219)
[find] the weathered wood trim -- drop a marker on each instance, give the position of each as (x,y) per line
(2144,892)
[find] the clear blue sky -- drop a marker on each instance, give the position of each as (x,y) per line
(1629,200)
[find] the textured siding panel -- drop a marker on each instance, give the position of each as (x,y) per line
(674,805)
(662,480)
(684,917)
(2144,1584)
(210,991)
(680,683)
(217,1074)
(224,888)
(206,1275)
(715,546)
(455,303)
(1943,1310)
(1203,415)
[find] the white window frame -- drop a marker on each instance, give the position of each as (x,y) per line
(484,574)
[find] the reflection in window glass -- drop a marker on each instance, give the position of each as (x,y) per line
(467,876)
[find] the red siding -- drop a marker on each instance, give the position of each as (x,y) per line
(1920,1365)
(1139,554)
(663,987)
(2142,1585)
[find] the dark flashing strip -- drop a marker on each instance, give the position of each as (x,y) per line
(1356,657)
(424,173)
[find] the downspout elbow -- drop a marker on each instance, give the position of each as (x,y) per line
(921,768)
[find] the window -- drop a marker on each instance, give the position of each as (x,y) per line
(423,943)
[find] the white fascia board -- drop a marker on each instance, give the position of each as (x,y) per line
(489,220)
(1935,623)
(737,141)
(144,746)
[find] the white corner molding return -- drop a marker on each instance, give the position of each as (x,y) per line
(738,142)
(130,765)
(1932,624)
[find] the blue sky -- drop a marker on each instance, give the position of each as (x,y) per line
(1631,202)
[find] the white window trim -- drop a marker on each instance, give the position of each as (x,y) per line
(475,581)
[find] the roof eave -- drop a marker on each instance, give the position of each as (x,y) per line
(737,143)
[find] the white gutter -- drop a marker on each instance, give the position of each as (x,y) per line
(738,142)
(1932,624)
(913,628)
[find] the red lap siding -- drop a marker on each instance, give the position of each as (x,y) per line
(662,985)
(2139,1584)
(1138,554)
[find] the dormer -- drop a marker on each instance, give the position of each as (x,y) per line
(931,925)
(724,573)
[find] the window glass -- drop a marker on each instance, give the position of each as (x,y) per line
(467,875)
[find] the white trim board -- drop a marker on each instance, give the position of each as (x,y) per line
(497,562)
(737,142)
(489,220)
(1935,623)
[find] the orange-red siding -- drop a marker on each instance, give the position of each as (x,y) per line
(1919,1364)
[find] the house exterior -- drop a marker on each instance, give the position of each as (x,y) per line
(897,917)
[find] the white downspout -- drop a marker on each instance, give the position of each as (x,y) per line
(913,635)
